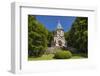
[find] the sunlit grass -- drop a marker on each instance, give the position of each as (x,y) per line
(44,57)
(50,57)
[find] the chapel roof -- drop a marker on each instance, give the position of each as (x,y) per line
(59,26)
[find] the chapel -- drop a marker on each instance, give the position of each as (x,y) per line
(59,39)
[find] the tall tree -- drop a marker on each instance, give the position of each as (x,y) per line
(50,38)
(37,37)
(77,37)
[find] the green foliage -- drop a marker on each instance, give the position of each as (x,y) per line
(37,37)
(84,55)
(63,55)
(50,38)
(77,37)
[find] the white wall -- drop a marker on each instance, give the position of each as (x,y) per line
(5,33)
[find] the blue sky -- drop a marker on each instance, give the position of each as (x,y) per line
(50,22)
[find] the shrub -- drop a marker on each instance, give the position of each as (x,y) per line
(63,55)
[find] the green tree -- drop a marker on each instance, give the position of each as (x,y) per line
(50,38)
(37,37)
(77,37)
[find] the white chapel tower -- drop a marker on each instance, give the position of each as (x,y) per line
(59,39)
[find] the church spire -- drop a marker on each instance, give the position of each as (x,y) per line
(59,26)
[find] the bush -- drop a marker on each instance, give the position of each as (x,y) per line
(63,55)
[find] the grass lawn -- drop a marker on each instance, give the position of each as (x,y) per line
(77,57)
(44,57)
(50,57)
